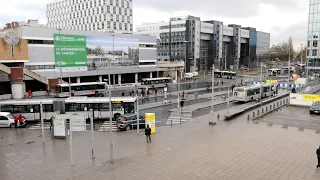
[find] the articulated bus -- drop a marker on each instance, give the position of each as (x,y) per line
(251,93)
(30,108)
(82,89)
(225,74)
(152,83)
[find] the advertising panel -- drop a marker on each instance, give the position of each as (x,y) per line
(311,97)
(151,121)
(82,53)
(119,51)
(70,52)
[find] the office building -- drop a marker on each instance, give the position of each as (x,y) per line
(85,15)
(208,42)
(313,45)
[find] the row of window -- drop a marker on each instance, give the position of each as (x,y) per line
(97,26)
(79,5)
(173,26)
(38,67)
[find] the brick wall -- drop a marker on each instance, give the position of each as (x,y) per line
(20,51)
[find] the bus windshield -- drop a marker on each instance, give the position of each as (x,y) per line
(239,89)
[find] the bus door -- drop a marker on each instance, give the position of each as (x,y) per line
(35,111)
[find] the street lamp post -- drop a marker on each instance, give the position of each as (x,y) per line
(114,75)
(60,61)
(212,95)
(178,79)
(110,113)
(185,60)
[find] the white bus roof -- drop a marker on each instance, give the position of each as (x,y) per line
(150,79)
(68,100)
(81,84)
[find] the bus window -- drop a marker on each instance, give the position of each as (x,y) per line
(19,109)
(117,107)
(85,107)
(48,108)
(104,107)
(128,107)
(73,107)
(7,108)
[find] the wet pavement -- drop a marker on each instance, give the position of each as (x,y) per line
(293,116)
(237,149)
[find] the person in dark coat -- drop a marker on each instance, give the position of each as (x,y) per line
(318,157)
(147,132)
(181,104)
(51,122)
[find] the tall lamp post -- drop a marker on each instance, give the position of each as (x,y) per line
(60,60)
(110,112)
(114,75)
(212,95)
(185,59)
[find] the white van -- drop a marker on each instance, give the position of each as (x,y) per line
(6,120)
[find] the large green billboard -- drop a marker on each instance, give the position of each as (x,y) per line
(70,52)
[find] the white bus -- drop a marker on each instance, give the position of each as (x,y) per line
(225,74)
(152,83)
(30,108)
(251,93)
(82,89)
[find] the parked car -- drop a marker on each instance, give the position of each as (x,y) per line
(315,108)
(6,120)
(129,121)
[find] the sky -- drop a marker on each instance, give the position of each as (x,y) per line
(282,18)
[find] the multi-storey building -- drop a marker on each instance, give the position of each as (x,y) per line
(313,47)
(207,43)
(86,15)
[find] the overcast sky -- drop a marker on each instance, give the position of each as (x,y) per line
(282,18)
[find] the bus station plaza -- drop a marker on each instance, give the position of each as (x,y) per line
(237,149)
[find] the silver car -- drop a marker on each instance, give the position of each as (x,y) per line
(315,108)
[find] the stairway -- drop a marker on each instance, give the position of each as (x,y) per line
(179,116)
(35,76)
(105,127)
(26,72)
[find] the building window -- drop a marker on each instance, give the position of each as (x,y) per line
(314,52)
(315,43)
(108,9)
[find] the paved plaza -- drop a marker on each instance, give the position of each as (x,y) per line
(237,149)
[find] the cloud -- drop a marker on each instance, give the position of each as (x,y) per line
(282,18)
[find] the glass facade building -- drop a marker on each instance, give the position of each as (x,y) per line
(313,44)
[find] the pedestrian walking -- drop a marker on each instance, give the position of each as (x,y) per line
(181,103)
(51,122)
(156,91)
(318,157)
(221,83)
(147,132)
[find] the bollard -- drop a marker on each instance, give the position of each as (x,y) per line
(248,117)
(258,113)
(253,115)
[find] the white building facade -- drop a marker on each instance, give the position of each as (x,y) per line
(88,15)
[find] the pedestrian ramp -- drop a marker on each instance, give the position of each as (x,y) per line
(179,117)
(105,127)
(46,125)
